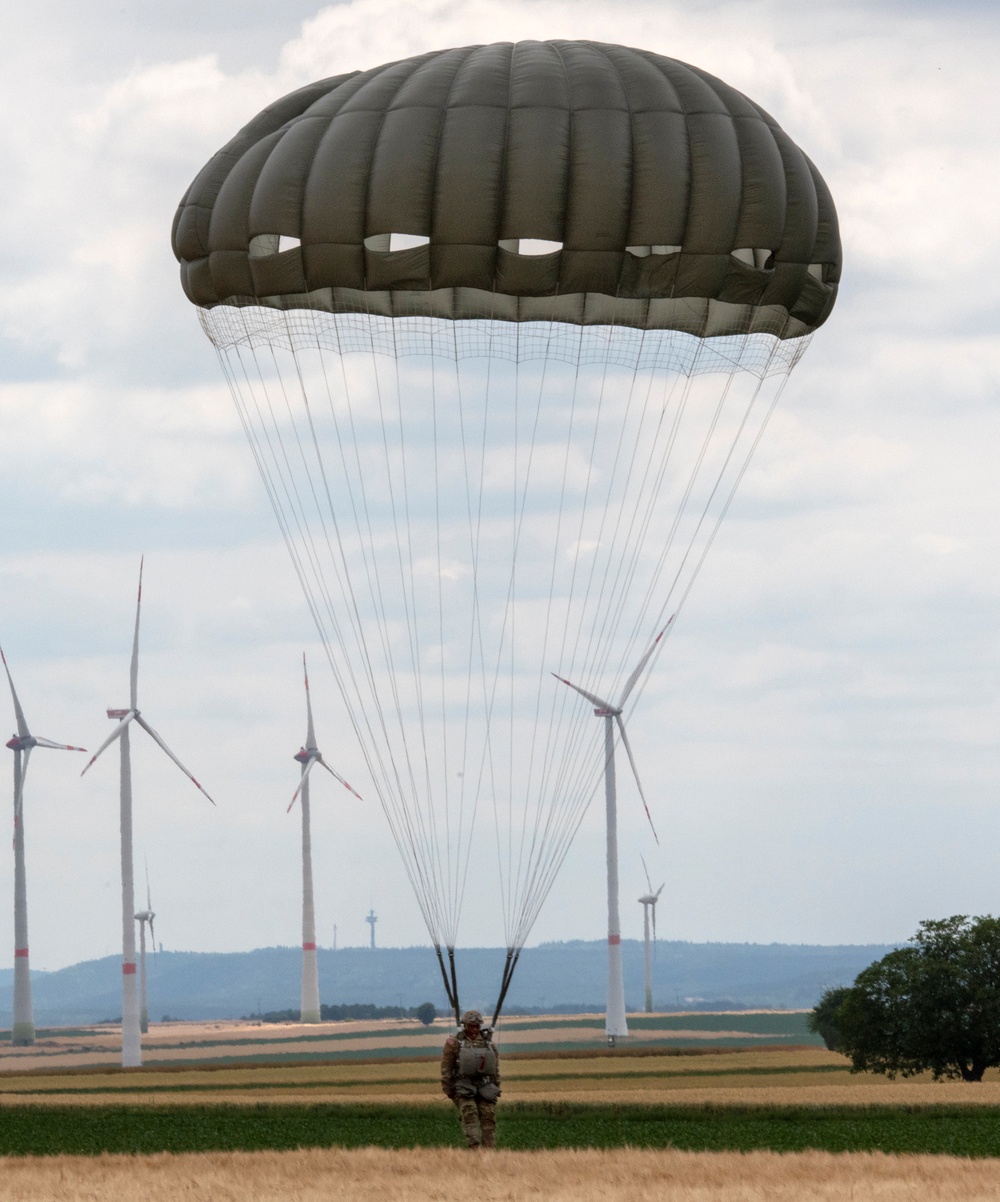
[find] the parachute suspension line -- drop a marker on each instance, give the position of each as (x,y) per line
(364,541)
(587,793)
(744,467)
(550,818)
(619,570)
(263,453)
(735,443)
(570,821)
(512,926)
(542,787)
(402,820)
(310,577)
(451,884)
(440,873)
(407,833)
(599,472)
(475,637)
(407,589)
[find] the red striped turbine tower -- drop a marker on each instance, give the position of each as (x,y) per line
(22,1032)
(308,755)
(131,1022)
(615,1024)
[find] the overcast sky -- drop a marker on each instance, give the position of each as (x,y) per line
(819,744)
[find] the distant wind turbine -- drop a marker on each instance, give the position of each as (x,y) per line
(142,918)
(131,1034)
(648,904)
(615,1024)
(23,1026)
(307,756)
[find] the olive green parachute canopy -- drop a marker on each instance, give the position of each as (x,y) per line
(668,199)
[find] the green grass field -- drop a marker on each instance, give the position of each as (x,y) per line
(970,1131)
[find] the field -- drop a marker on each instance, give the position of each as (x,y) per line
(432,1176)
(699,1107)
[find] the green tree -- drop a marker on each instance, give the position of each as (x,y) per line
(931,1006)
(426,1012)
(823,1019)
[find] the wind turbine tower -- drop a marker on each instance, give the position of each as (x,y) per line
(131,1027)
(372,920)
(142,918)
(615,1024)
(307,756)
(648,904)
(22,1032)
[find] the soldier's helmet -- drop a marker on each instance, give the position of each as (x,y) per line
(471,1017)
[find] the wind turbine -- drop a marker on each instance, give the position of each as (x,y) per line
(131,1034)
(23,1027)
(307,756)
(142,918)
(649,903)
(615,1024)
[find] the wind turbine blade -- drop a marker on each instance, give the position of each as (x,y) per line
(649,883)
(591,697)
(22,726)
(656,896)
(58,746)
(111,738)
(156,738)
(654,924)
(302,781)
(635,773)
(340,778)
(149,901)
(134,669)
(310,733)
(641,666)
(25,756)
(152,933)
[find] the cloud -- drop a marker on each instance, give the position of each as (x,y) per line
(817,741)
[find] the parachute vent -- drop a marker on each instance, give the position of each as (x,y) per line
(263,245)
(391,243)
(530,247)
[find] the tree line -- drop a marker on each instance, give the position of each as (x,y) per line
(425,1013)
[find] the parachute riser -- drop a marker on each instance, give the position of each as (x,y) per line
(508,976)
(454,985)
(450,986)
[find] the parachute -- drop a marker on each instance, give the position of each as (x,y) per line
(504,325)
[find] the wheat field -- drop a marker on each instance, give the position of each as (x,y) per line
(444,1174)
(777,1076)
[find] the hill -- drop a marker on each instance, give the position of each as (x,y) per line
(554,976)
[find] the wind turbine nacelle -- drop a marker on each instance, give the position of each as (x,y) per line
(117,713)
(606,712)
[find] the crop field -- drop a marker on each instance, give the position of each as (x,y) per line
(281,1043)
(688,1120)
(631,1175)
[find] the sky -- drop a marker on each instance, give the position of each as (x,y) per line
(819,746)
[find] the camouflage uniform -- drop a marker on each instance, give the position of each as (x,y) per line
(474,1093)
